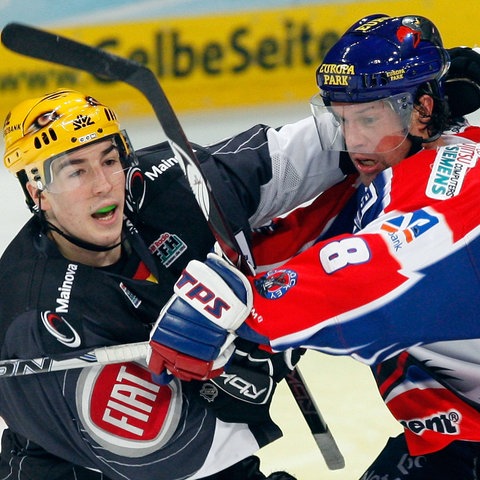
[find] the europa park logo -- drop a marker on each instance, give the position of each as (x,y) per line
(335,74)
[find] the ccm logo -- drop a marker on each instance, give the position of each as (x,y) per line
(196,290)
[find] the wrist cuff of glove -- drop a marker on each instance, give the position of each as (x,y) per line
(181,365)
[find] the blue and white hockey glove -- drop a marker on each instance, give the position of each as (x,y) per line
(192,338)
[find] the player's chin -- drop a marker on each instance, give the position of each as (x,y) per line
(107,242)
(367,170)
(107,235)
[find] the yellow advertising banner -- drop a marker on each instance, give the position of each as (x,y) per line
(230,60)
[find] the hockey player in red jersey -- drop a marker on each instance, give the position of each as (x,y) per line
(388,274)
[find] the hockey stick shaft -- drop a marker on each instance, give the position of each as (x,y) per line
(50,47)
(315,421)
(138,352)
(98,356)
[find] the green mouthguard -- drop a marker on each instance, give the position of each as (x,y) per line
(106,209)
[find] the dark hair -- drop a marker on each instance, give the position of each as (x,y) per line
(440,118)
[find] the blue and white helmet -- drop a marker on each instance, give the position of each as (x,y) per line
(381,61)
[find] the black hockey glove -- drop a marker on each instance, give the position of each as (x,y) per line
(462,82)
(243,393)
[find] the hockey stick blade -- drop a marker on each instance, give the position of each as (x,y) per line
(46,46)
(50,47)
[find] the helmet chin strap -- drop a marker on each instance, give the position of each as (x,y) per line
(77,241)
(432,139)
(418,141)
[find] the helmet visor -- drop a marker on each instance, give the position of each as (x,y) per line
(81,168)
(370,127)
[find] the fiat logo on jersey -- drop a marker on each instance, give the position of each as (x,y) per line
(275,283)
(124,411)
(57,326)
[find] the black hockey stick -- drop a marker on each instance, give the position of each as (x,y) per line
(319,428)
(54,48)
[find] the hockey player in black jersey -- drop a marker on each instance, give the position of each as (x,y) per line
(112,230)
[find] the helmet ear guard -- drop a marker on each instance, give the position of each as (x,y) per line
(23,179)
(462,82)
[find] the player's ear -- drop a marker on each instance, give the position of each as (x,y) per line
(425,106)
(422,115)
(38,196)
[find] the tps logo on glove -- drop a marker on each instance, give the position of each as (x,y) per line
(194,333)
(195,290)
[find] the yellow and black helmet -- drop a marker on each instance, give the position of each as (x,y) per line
(39,129)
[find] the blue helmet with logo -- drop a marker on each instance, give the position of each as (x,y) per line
(380,56)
